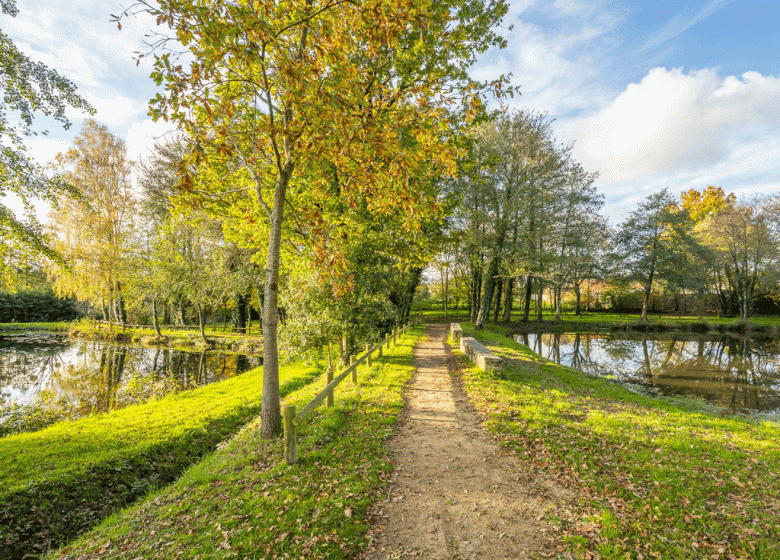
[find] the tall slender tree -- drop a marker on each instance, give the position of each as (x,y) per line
(93,228)
(651,243)
(274,91)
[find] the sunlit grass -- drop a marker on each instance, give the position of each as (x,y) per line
(664,479)
(243,501)
(61,480)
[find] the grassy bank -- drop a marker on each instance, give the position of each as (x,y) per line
(243,501)
(60,481)
(171,337)
(661,479)
(61,326)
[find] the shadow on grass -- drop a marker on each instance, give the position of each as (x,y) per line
(48,513)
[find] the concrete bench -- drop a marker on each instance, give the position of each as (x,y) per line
(456,332)
(480,354)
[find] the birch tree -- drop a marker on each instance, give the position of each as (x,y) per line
(93,228)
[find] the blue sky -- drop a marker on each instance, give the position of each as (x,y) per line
(653,94)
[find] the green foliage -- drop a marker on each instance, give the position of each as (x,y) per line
(28,87)
(654,475)
(36,306)
(58,482)
(44,411)
(244,501)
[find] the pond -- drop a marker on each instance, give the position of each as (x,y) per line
(89,376)
(738,373)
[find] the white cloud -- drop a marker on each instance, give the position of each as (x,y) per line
(674,122)
(568,7)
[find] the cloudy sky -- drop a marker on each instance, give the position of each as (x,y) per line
(653,94)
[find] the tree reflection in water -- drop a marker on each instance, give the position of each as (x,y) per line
(86,377)
(735,372)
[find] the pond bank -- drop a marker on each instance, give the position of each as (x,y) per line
(172,338)
(62,480)
(662,479)
(244,501)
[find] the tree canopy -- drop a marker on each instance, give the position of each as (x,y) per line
(28,88)
(309,103)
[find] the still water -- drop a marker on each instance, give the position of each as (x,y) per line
(737,373)
(89,376)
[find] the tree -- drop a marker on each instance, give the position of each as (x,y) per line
(708,202)
(351,96)
(744,236)
(93,228)
(28,87)
(651,242)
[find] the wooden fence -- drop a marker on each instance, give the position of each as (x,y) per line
(293,420)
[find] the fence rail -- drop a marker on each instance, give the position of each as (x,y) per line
(293,420)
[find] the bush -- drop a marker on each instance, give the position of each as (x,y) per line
(700,326)
(36,306)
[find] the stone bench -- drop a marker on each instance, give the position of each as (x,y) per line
(480,354)
(456,332)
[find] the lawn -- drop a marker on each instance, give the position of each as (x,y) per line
(244,501)
(58,482)
(662,479)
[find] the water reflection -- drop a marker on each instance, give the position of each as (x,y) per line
(735,372)
(88,376)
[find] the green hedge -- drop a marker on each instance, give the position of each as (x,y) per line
(36,306)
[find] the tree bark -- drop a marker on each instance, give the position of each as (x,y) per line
(487,293)
(527,298)
(271,411)
(540,303)
(509,295)
(201,326)
(155,321)
(238,315)
(499,288)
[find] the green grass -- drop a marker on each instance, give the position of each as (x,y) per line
(243,501)
(660,479)
(16,327)
(181,338)
(58,482)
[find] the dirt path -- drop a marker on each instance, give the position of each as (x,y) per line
(455,495)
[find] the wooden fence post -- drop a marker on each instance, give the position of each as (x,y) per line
(368,354)
(380,346)
(354,370)
(330,393)
(290,435)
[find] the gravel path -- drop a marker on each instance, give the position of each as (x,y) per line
(454,494)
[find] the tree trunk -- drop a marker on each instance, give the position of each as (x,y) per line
(509,295)
(487,293)
(155,321)
(476,290)
(271,411)
(499,287)
(540,303)
(201,325)
(557,298)
(120,303)
(446,292)
(527,298)
(239,313)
